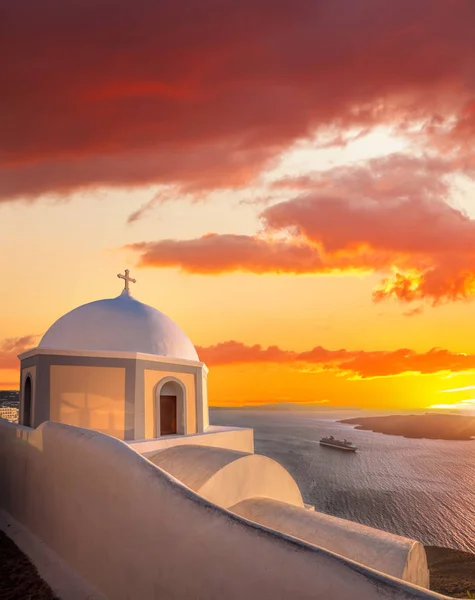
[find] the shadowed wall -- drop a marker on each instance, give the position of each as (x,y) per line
(77,490)
(91,397)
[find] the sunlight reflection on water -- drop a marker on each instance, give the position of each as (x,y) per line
(423,489)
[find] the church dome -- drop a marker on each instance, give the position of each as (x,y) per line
(121,324)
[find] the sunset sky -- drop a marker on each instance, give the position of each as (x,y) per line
(292,182)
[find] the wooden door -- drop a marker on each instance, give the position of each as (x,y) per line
(27,403)
(167,415)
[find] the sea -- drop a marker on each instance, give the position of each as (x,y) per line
(422,489)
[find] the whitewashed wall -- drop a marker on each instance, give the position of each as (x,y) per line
(133,531)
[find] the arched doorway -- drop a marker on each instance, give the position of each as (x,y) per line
(27,403)
(170,408)
(167,414)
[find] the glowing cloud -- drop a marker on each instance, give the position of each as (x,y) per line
(389,215)
(462,405)
(359,363)
(461,389)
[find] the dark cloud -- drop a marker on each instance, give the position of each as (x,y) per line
(206,94)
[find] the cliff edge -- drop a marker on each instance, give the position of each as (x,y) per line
(452,572)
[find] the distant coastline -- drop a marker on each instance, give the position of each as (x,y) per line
(290,406)
(427,426)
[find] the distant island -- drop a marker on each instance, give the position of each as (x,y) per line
(289,406)
(433,426)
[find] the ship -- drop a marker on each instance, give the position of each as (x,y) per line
(331,442)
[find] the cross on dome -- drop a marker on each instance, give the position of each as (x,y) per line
(126,279)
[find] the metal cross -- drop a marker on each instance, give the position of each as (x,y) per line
(126,279)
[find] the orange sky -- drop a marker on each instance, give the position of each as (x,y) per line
(308,218)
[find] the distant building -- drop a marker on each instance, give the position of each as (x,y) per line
(10,413)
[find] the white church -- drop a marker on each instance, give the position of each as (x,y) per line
(116,486)
(119,367)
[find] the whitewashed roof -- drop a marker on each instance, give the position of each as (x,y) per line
(121,324)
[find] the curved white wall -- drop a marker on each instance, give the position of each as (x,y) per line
(385,552)
(133,531)
(227,477)
(217,436)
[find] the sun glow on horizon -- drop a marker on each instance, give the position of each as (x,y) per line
(460,389)
(328,219)
(462,405)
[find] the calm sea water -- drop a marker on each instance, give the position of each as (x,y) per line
(423,489)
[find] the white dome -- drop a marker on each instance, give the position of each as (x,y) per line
(120,324)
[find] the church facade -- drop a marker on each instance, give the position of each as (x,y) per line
(117,366)
(186,495)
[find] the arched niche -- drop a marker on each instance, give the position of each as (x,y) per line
(28,402)
(170,407)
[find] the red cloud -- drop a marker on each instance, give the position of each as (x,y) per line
(388,215)
(444,282)
(204,94)
(214,253)
(10,348)
(358,363)
(393,204)
(232,352)
(395,176)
